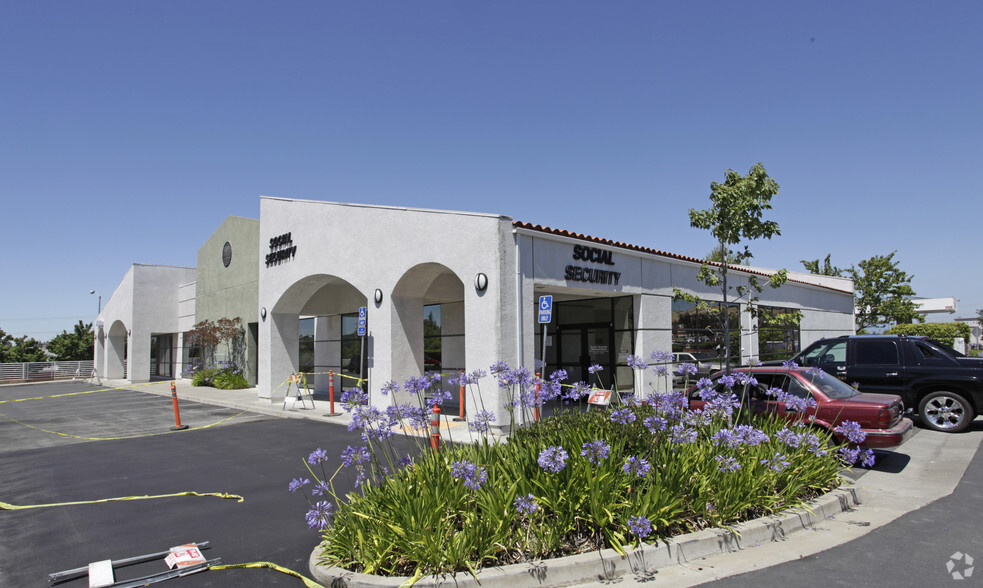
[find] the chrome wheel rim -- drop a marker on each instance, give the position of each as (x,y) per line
(944,412)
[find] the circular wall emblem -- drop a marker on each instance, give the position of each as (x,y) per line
(227,254)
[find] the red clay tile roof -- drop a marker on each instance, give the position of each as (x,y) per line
(562,233)
(629,246)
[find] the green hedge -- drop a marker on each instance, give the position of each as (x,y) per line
(941,332)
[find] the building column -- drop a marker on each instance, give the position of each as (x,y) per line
(279,356)
(653,332)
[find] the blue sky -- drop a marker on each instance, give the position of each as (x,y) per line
(129,130)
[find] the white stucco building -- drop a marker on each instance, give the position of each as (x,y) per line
(440,289)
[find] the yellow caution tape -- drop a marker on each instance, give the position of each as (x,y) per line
(265,564)
(5,506)
(118,438)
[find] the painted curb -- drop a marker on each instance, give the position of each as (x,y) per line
(608,565)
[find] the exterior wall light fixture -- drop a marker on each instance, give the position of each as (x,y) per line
(481,282)
(262,313)
(378,296)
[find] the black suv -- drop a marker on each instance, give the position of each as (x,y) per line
(944,386)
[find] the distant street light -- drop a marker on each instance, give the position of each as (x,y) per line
(100,300)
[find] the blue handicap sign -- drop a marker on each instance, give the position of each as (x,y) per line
(545,309)
(362,318)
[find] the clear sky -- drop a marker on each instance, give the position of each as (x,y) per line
(129,130)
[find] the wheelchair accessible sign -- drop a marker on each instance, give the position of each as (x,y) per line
(545,309)
(361,321)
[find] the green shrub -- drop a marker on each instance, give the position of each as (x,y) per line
(229,380)
(204,377)
(223,378)
(942,332)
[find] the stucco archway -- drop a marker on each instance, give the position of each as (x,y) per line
(326,300)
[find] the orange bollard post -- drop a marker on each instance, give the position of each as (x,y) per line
(435,429)
(331,394)
(177,413)
(460,413)
(539,386)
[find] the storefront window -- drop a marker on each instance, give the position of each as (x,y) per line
(352,365)
(778,332)
(431,338)
(586,332)
(306,342)
(701,331)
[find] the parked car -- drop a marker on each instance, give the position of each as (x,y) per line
(699,359)
(881,416)
(942,385)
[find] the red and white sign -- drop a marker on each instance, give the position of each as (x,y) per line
(184,556)
(602,397)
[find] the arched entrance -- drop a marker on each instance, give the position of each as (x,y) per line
(116,351)
(309,333)
(428,315)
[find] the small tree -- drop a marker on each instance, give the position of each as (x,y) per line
(738,205)
(74,346)
(882,293)
(208,335)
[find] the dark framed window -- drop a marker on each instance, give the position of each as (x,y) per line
(432,340)
(778,332)
(305,353)
(701,331)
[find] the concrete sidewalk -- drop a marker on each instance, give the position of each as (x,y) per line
(248,399)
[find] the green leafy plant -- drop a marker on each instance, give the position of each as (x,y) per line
(646,469)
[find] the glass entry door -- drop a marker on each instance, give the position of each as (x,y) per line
(581,346)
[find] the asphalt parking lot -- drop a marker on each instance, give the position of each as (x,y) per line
(118,443)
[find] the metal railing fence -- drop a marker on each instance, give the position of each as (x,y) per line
(44,370)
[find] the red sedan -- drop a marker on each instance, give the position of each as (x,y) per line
(819,399)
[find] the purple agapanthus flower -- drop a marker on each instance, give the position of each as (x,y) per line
(553,459)
(727,464)
(639,526)
(481,423)
(636,466)
(777,463)
(595,451)
(655,424)
(317,456)
(682,435)
(319,517)
(298,483)
(636,363)
(354,455)
(687,369)
(852,431)
(623,416)
(577,391)
(472,475)
(525,504)
(321,489)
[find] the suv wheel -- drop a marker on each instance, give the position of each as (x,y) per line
(945,411)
